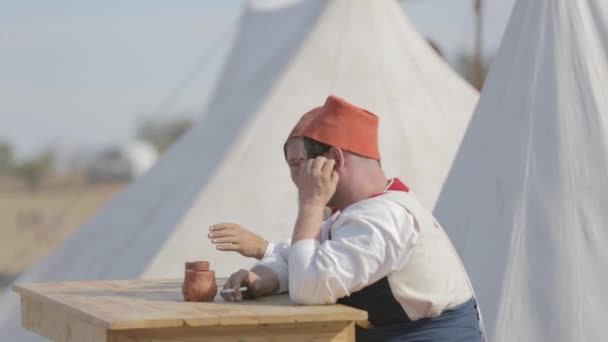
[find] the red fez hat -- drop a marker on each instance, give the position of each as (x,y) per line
(341,124)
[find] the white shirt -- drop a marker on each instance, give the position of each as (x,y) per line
(372,239)
(369,240)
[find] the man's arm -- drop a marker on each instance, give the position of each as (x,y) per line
(367,244)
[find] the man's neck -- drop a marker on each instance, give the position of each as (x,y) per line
(364,189)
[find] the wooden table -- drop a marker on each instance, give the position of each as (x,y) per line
(153,310)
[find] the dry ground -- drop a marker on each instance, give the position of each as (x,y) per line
(32,224)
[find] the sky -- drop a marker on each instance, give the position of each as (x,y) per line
(84,73)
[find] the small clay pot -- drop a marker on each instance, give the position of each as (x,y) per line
(197,265)
(199,286)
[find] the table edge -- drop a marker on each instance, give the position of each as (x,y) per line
(355,315)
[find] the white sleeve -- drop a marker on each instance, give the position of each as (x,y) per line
(269,250)
(275,259)
(368,242)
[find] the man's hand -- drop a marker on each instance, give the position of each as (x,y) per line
(259,281)
(317,182)
(233,237)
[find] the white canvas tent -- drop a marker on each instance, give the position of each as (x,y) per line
(525,200)
(287,57)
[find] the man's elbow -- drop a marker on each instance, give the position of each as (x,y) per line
(310,293)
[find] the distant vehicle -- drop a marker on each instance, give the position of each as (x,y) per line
(123,163)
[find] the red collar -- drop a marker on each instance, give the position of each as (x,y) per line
(394,184)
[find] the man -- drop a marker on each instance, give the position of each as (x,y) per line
(380,251)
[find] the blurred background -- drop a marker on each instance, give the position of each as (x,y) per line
(92,93)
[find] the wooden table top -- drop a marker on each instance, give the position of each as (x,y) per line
(142,304)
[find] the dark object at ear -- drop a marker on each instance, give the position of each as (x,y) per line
(314,148)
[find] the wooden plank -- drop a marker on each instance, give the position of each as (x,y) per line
(139,304)
(57,324)
(318,332)
(48,297)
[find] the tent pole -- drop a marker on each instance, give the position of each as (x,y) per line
(478,63)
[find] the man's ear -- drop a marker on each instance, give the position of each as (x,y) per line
(338,155)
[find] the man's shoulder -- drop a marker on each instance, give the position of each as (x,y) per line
(379,205)
(375,214)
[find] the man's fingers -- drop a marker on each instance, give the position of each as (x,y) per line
(235,282)
(228,285)
(309,165)
(328,167)
(226,239)
(231,247)
(235,278)
(222,233)
(222,230)
(243,280)
(226,296)
(217,228)
(318,164)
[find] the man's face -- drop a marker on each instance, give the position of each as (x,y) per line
(295,155)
